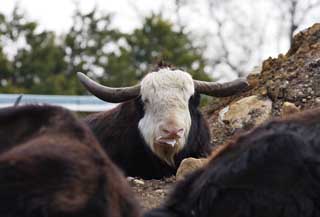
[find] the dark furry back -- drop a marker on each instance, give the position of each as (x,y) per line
(51,165)
(117,131)
(272,171)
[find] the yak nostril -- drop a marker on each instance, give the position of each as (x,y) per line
(180,132)
(166,131)
(174,133)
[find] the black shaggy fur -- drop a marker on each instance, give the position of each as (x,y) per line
(273,171)
(52,166)
(117,131)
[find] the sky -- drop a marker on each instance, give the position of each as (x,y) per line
(57,15)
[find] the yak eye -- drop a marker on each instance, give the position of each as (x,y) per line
(145,101)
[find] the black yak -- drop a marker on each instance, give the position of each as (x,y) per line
(272,171)
(52,166)
(158,124)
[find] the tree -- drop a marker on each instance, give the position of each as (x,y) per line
(47,63)
(241,33)
(13,31)
(293,14)
(233,40)
(5,72)
(89,44)
(117,59)
(37,65)
(238,38)
(5,64)
(41,67)
(157,40)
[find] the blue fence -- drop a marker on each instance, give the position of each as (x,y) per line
(74,103)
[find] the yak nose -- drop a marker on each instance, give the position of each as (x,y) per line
(172,132)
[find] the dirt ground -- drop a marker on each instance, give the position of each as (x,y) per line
(293,77)
(151,193)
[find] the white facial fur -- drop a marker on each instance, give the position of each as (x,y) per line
(166,95)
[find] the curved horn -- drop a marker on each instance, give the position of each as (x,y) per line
(220,90)
(109,94)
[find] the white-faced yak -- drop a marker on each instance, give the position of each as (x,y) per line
(52,166)
(272,171)
(158,123)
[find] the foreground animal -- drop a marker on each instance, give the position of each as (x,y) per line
(272,171)
(52,166)
(158,123)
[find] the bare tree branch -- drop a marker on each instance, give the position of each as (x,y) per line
(295,12)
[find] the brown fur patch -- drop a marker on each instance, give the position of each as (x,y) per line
(59,167)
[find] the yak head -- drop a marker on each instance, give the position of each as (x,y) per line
(166,122)
(165,96)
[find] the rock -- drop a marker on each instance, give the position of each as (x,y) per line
(135,181)
(222,113)
(276,89)
(256,70)
(317,101)
(289,108)
(189,165)
(130,179)
(304,40)
(247,112)
(138,182)
(264,91)
(160,191)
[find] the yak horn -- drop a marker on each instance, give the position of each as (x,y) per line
(109,94)
(220,90)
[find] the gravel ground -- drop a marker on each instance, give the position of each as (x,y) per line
(151,193)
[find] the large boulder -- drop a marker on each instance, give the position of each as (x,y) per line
(289,108)
(247,112)
(189,165)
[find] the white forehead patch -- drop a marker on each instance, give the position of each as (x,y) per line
(167,80)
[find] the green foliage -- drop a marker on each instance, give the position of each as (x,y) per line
(86,41)
(5,65)
(157,40)
(47,63)
(37,64)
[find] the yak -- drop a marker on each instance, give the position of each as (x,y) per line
(274,170)
(157,123)
(52,166)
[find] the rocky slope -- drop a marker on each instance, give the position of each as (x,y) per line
(290,82)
